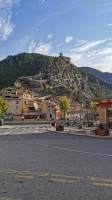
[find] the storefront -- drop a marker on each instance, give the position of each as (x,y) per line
(105,110)
(34,115)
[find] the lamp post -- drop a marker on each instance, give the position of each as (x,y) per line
(0,114)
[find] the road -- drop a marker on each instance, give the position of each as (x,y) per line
(51,166)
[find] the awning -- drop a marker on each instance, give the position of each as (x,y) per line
(33,114)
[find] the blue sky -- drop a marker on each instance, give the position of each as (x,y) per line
(81,29)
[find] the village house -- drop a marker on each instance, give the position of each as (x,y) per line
(15,106)
(49,109)
(76,115)
(21,106)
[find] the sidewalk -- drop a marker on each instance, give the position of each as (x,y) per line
(86,131)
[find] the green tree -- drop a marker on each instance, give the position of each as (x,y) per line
(93,108)
(4,106)
(64,105)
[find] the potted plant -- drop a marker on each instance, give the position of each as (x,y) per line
(80,123)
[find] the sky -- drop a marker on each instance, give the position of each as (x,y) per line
(80,29)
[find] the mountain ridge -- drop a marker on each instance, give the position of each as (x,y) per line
(48,75)
(106,76)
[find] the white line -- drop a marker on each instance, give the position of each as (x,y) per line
(98,154)
(6,133)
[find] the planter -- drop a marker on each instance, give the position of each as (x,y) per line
(103,132)
(59,128)
(80,126)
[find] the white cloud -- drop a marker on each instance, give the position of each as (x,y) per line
(95,54)
(43,48)
(110,44)
(80,42)
(32,46)
(88,45)
(6,27)
(109,25)
(49,36)
(42,1)
(68,39)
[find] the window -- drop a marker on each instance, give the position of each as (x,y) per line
(16,107)
(50,115)
(16,113)
(17,102)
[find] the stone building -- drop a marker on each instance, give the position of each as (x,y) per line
(65,58)
(49,109)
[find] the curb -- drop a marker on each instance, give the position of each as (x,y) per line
(76,134)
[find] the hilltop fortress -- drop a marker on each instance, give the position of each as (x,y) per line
(66,59)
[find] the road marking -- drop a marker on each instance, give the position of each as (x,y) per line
(6,198)
(20,176)
(61,180)
(34,173)
(24,172)
(102,184)
(11,171)
(31,175)
(45,174)
(7,133)
(65,176)
(84,152)
(100,179)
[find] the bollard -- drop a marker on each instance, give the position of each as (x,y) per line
(1,122)
(110,133)
(88,132)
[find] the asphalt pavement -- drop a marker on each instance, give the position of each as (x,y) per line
(53,165)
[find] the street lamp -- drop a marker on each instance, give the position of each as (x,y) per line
(0,114)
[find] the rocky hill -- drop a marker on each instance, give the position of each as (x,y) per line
(19,65)
(106,76)
(55,76)
(58,78)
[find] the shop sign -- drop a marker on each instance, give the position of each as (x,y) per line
(107,104)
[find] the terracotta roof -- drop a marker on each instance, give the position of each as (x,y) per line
(101,98)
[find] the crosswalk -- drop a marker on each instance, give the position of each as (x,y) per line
(23,130)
